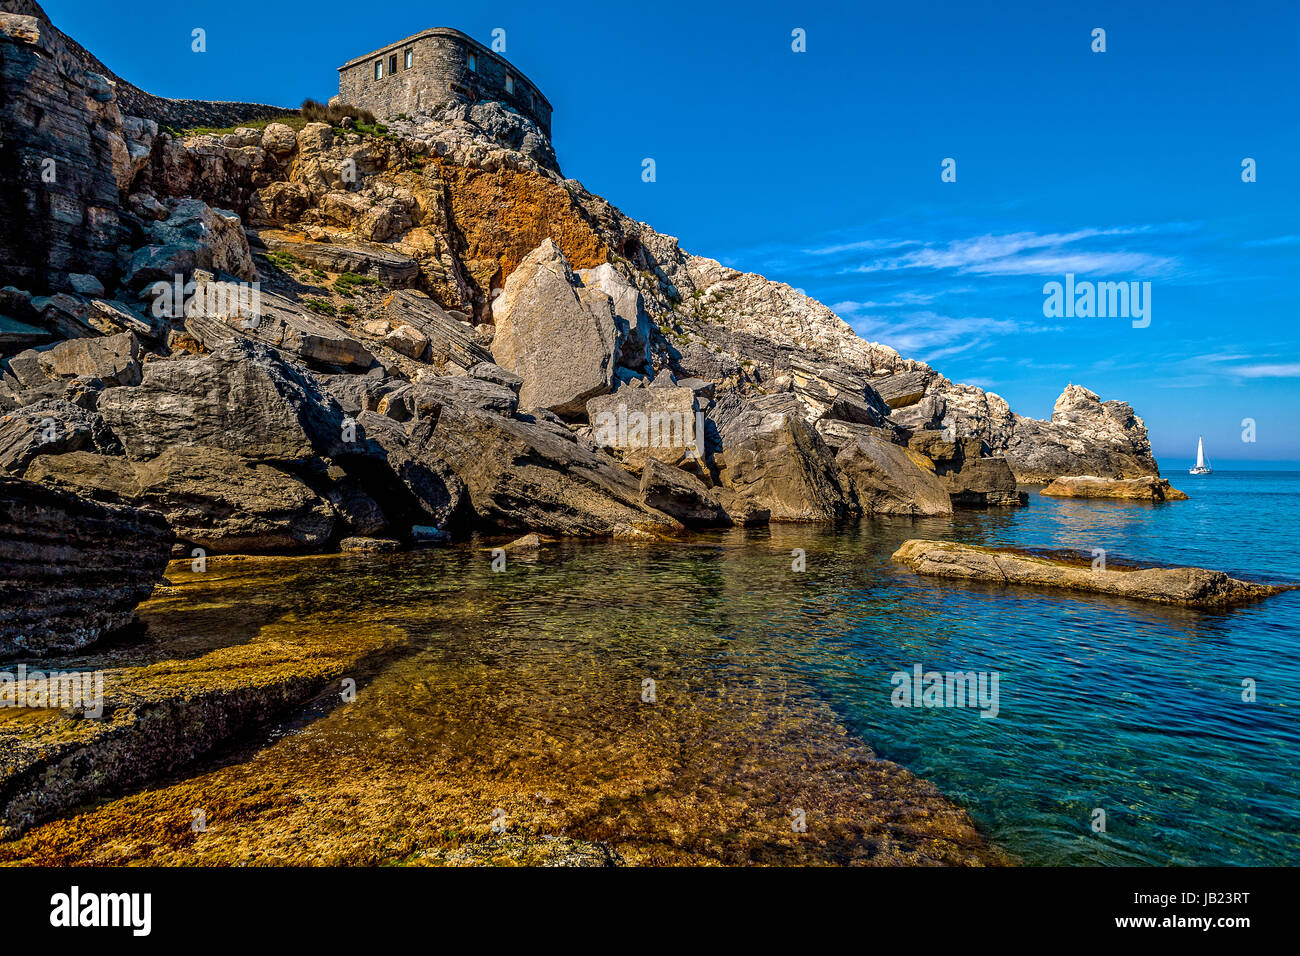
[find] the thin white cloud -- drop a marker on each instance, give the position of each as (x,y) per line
(928,335)
(1024,253)
(1275,241)
(1278,370)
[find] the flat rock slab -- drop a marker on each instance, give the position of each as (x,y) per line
(1187,587)
(377,262)
(158,717)
(1128,489)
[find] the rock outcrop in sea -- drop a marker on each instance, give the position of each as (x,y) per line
(1133,489)
(1186,587)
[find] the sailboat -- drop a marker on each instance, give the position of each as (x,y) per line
(1200,468)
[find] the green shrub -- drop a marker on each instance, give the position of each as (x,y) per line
(321,307)
(349,284)
(283,260)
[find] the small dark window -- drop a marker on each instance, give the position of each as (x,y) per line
(392,64)
(379,69)
(472,60)
(410,59)
(510,83)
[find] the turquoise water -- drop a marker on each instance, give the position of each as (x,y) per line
(1134,709)
(1130,708)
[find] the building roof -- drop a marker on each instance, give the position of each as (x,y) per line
(444,32)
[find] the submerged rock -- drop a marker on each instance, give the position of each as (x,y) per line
(1188,587)
(1150,488)
(71,570)
(511,850)
(370,545)
(161,716)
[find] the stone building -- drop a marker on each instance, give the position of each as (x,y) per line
(434,68)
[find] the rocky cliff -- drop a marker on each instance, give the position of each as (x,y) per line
(447,333)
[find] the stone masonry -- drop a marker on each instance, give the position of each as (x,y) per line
(436,68)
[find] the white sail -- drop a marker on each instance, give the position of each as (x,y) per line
(1200,468)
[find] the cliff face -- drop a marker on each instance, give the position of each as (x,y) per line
(394,271)
(61,136)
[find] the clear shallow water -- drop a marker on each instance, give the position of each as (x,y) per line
(524,686)
(1126,707)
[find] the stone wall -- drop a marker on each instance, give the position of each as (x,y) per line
(438,76)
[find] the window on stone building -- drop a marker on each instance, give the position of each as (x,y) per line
(379,69)
(472,60)
(410,59)
(510,83)
(392,64)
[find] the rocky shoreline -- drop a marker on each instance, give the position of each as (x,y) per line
(447,333)
(298,338)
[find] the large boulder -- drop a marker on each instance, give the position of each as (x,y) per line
(113,359)
(71,570)
(983,482)
(650,423)
(888,479)
(772,457)
(630,316)
(51,427)
(900,389)
(531,474)
(680,495)
(558,335)
(212,498)
(194,236)
(711,365)
(829,393)
(395,464)
(243,397)
(972,479)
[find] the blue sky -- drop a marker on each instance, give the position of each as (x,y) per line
(822,168)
